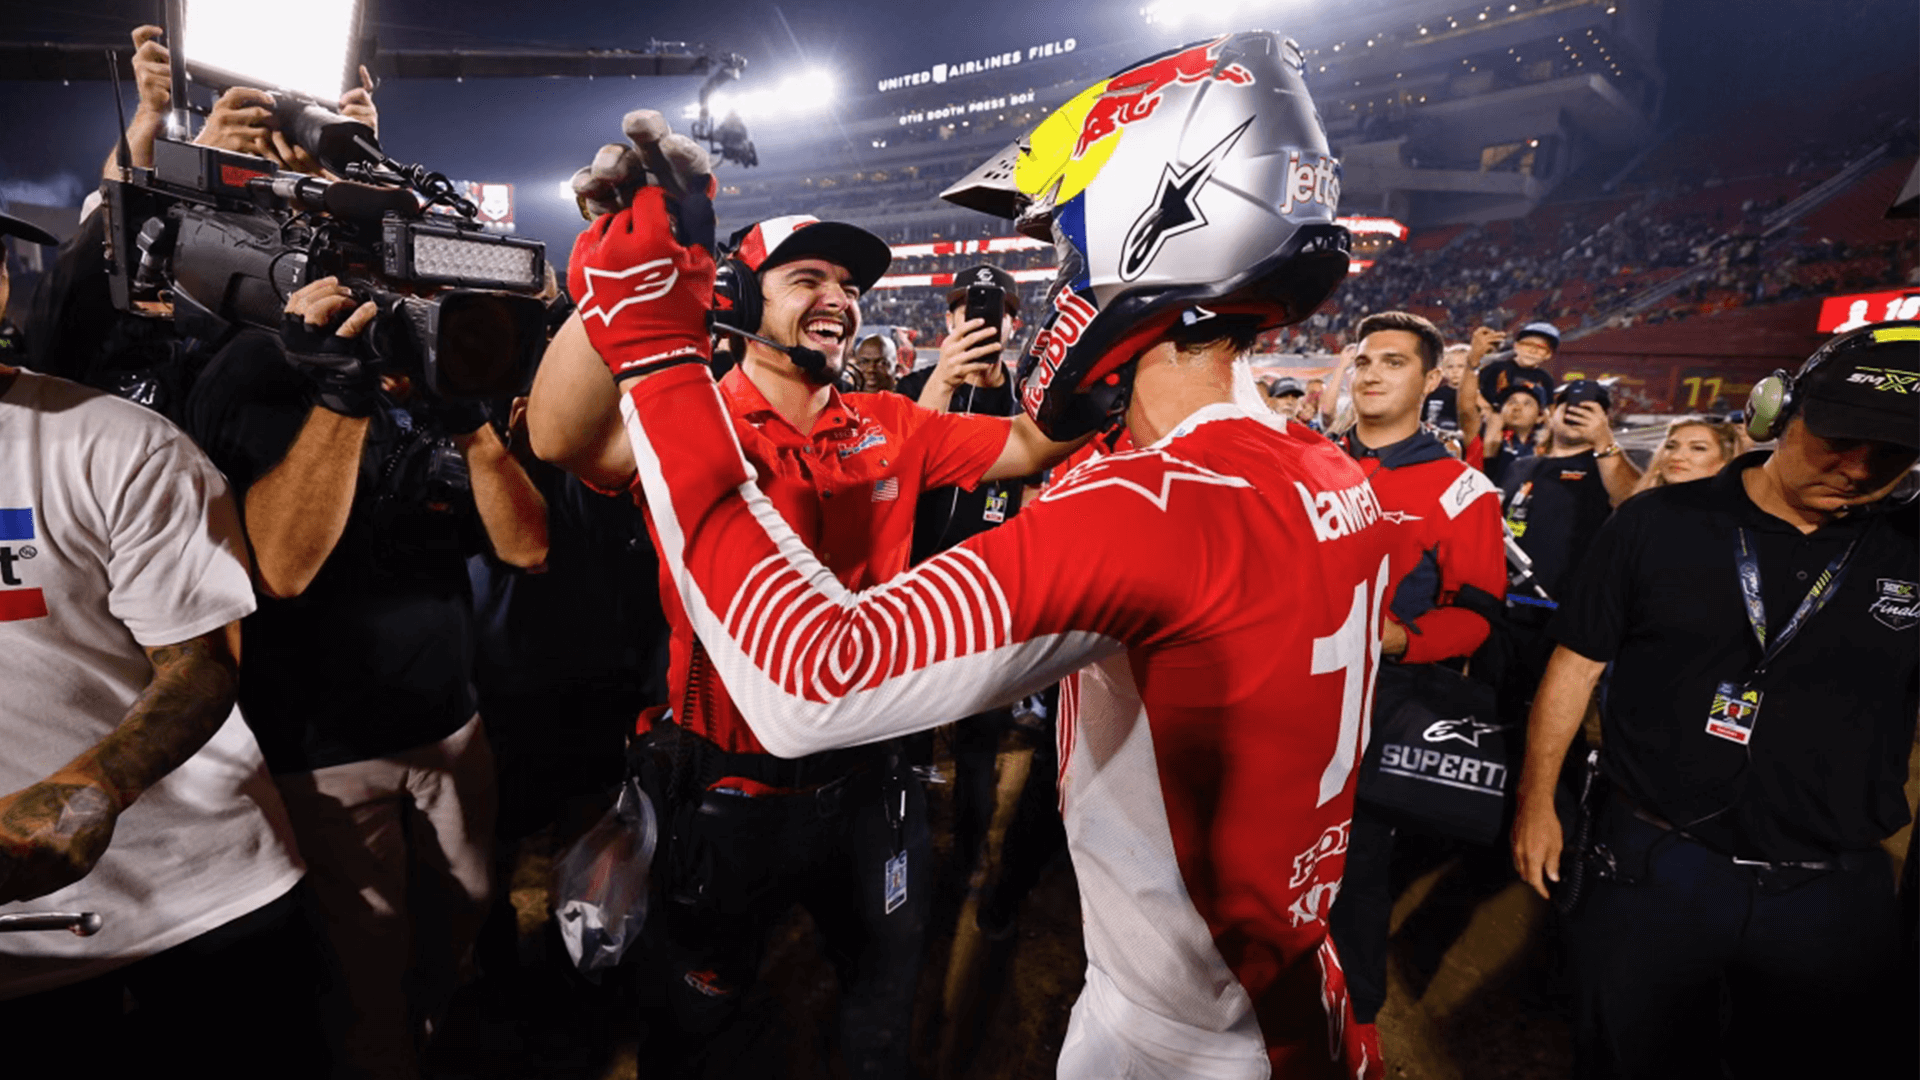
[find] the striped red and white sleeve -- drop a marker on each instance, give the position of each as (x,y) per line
(813,665)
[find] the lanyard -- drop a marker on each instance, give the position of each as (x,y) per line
(1822,591)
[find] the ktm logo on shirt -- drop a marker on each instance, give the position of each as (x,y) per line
(18,600)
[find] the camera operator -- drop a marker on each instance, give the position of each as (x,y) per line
(1330,400)
(1554,502)
(970,377)
(363,497)
(1758,718)
(242,119)
(75,330)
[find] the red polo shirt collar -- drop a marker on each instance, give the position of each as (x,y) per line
(746,402)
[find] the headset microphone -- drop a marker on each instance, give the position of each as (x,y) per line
(811,362)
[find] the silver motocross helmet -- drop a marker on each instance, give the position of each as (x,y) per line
(1195,181)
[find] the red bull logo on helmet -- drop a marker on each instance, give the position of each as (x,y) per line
(1072,313)
(1134,95)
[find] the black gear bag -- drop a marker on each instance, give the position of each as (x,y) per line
(1439,758)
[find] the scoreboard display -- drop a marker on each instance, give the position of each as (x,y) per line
(1840,314)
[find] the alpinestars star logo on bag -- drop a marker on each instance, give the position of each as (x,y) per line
(1175,208)
(1466,729)
(610,290)
(1896,604)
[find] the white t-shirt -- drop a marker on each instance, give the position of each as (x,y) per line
(117,533)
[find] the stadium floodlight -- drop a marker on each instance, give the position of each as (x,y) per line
(307,49)
(1173,13)
(1167,13)
(811,90)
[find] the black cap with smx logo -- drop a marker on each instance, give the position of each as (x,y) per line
(1865,385)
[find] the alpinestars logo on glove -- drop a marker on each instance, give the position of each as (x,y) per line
(635,285)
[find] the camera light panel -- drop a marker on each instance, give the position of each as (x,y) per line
(306,48)
(477,260)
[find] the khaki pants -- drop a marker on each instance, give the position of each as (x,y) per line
(398,852)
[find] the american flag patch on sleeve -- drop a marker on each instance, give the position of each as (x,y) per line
(887,490)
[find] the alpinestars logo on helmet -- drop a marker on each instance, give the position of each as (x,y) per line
(1175,208)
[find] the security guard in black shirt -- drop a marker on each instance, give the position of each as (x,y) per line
(1761,627)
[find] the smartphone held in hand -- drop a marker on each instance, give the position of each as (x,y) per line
(989,303)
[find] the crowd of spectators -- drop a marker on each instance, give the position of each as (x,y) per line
(1499,275)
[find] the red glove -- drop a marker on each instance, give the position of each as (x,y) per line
(643,295)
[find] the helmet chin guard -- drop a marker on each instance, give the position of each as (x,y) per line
(1197,178)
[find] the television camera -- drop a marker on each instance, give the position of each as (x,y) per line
(218,240)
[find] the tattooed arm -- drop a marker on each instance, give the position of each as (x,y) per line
(53,832)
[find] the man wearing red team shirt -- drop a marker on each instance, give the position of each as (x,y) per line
(746,834)
(1208,829)
(1447,516)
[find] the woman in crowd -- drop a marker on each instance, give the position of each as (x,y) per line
(1694,449)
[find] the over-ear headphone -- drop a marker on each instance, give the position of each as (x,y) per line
(736,295)
(1770,405)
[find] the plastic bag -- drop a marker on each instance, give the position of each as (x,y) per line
(600,884)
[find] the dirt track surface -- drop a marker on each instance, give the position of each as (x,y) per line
(1476,988)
